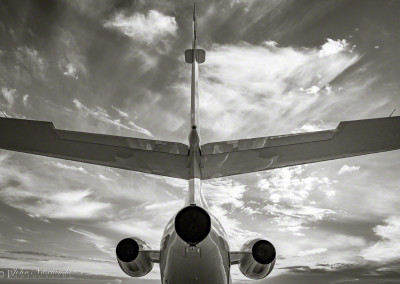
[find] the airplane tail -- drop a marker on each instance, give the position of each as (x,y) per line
(195,56)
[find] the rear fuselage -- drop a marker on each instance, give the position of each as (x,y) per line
(206,262)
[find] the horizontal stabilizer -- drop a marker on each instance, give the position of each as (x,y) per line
(350,138)
(142,155)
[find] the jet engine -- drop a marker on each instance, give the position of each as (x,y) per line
(192,224)
(260,262)
(131,259)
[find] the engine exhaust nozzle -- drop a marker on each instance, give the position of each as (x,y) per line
(192,224)
(263,252)
(127,250)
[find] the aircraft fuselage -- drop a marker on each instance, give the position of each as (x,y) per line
(208,262)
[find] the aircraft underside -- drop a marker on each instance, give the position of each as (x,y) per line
(194,250)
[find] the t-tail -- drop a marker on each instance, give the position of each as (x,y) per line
(194,56)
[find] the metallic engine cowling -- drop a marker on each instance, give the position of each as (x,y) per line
(132,260)
(260,262)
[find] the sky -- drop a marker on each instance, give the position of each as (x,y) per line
(272,68)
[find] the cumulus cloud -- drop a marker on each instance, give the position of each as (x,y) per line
(226,193)
(9,95)
(69,69)
(287,191)
(332,47)
(309,127)
(388,247)
(148,29)
(289,185)
(271,43)
(348,169)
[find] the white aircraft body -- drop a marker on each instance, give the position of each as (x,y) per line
(193,248)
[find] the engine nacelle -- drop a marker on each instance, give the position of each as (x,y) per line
(260,262)
(132,260)
(192,224)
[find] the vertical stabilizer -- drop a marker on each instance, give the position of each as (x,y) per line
(195,76)
(194,27)
(194,56)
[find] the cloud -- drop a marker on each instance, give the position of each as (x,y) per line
(32,60)
(102,177)
(148,29)
(69,69)
(309,127)
(76,204)
(25,99)
(225,198)
(287,193)
(244,83)
(246,90)
(348,169)
(67,167)
(100,242)
(21,240)
(388,247)
(69,205)
(345,241)
(296,217)
(120,112)
(313,90)
(271,43)
(49,257)
(225,191)
(101,114)
(23,230)
(9,95)
(141,228)
(289,185)
(312,251)
(332,47)
(72,62)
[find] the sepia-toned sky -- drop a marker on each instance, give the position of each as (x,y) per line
(272,67)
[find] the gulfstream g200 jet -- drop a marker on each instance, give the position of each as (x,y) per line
(193,248)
